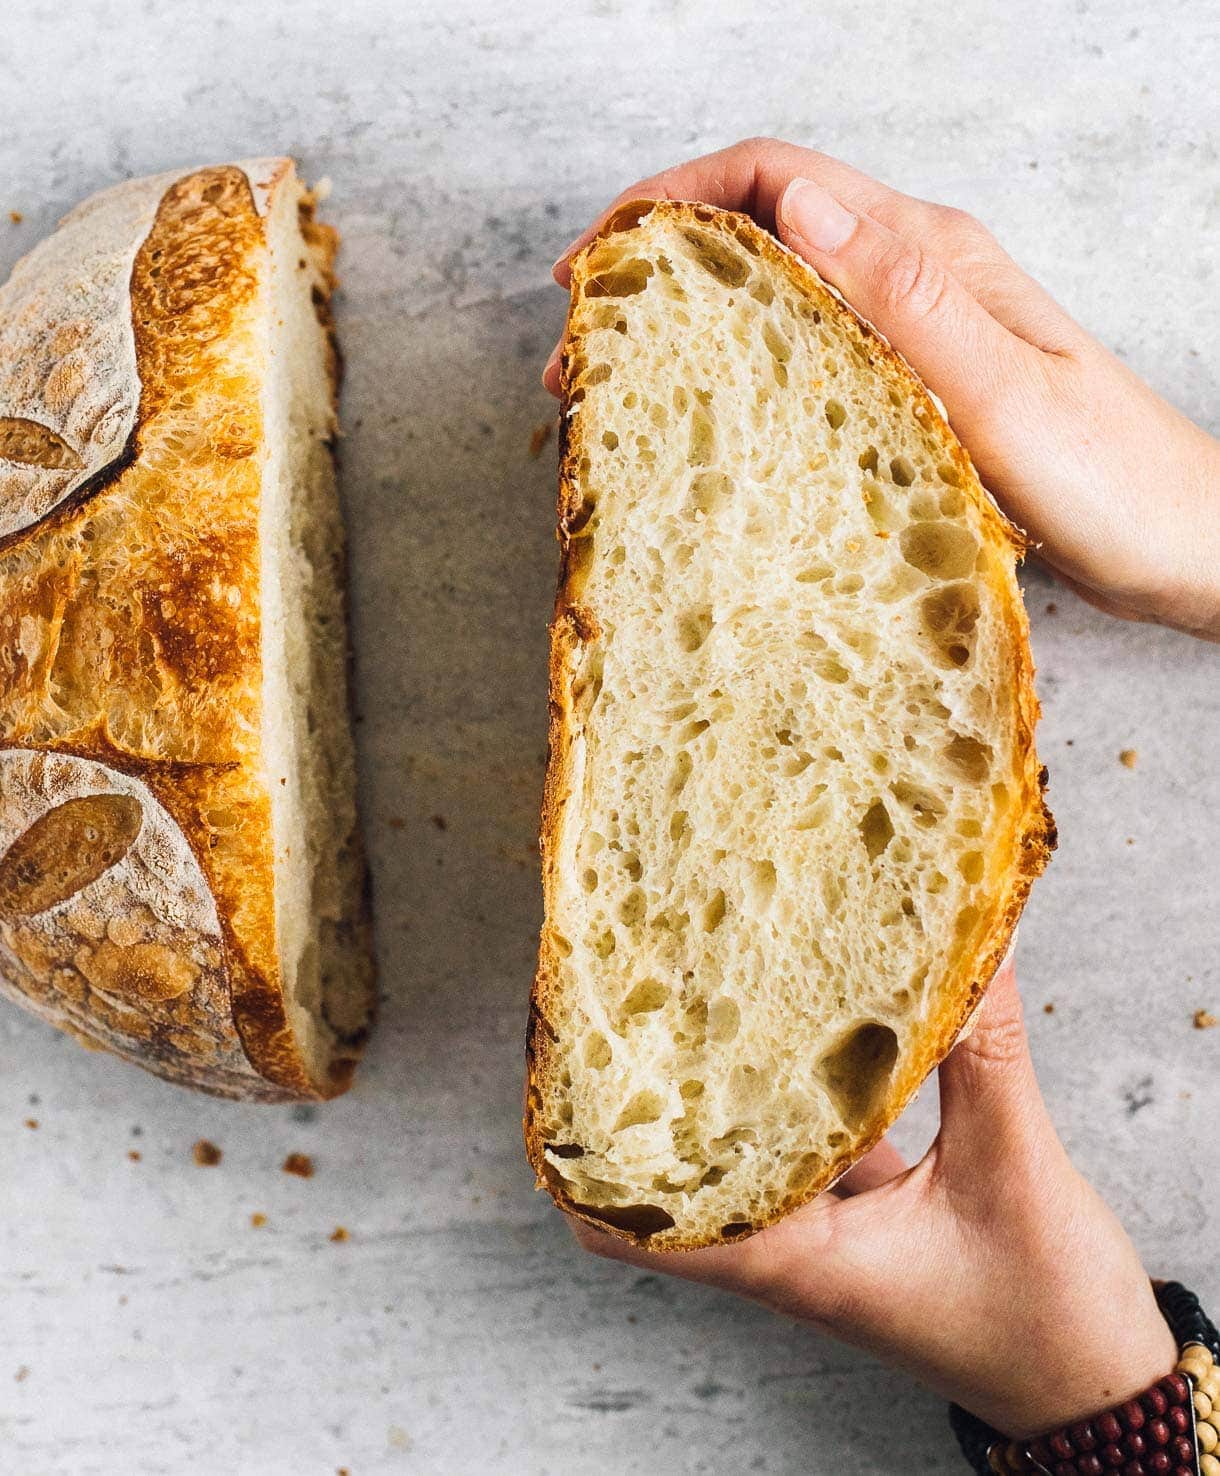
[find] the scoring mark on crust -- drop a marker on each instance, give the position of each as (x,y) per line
(30,443)
(66,850)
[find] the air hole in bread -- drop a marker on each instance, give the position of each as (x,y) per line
(902,471)
(632,908)
(857,1071)
(637,1219)
(735,1229)
(805,1170)
(938,549)
(701,448)
(710,491)
(927,808)
(876,829)
(723,263)
(597,1052)
(609,440)
(621,279)
(648,996)
(836,416)
(971,866)
(949,616)
(814,574)
(760,883)
(971,757)
(694,627)
(723,1020)
(642,1109)
(714,911)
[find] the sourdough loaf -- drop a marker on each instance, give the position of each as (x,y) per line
(181,879)
(792,805)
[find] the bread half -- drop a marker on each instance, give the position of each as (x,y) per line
(793,807)
(181,878)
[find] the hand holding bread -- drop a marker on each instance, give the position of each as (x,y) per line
(1116,489)
(949,1268)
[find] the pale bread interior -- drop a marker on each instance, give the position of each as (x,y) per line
(794,760)
(306,741)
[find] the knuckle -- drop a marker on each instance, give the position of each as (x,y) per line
(911,281)
(758,143)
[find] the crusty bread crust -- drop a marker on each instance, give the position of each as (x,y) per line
(1026,842)
(130,657)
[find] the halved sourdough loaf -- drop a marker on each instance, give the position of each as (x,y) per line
(793,806)
(181,879)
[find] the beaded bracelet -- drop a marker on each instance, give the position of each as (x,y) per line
(1173,1429)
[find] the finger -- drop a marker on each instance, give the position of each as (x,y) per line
(962,353)
(749,176)
(877,1167)
(753,175)
(989,1095)
(551,374)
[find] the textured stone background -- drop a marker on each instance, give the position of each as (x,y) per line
(144,1326)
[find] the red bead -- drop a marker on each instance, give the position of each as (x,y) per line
(1135,1468)
(1060,1446)
(1132,1415)
(1154,1401)
(1089,1465)
(1064,1468)
(1136,1444)
(1159,1462)
(1184,1450)
(1084,1437)
(1175,1388)
(1158,1432)
(1108,1428)
(1190,1470)
(1178,1420)
(1112,1456)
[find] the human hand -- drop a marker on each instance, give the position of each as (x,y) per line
(1118,490)
(991,1271)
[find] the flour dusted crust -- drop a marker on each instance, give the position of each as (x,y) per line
(628,1159)
(133,363)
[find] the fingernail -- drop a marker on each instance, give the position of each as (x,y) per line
(816,216)
(552,361)
(565,253)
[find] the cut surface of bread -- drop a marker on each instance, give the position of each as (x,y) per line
(181,877)
(793,807)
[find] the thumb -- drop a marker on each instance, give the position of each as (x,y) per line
(953,343)
(989,1096)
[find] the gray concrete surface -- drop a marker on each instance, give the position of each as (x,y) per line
(145,1326)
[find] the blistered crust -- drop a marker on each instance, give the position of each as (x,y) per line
(132,364)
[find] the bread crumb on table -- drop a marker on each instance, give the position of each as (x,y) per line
(1048,1008)
(134,1154)
(206,1154)
(339,1234)
(16,216)
(1204,1020)
(299,1164)
(31,1122)
(1128,758)
(257,1220)
(21,1375)
(540,435)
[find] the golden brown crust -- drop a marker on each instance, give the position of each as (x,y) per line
(130,673)
(1031,834)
